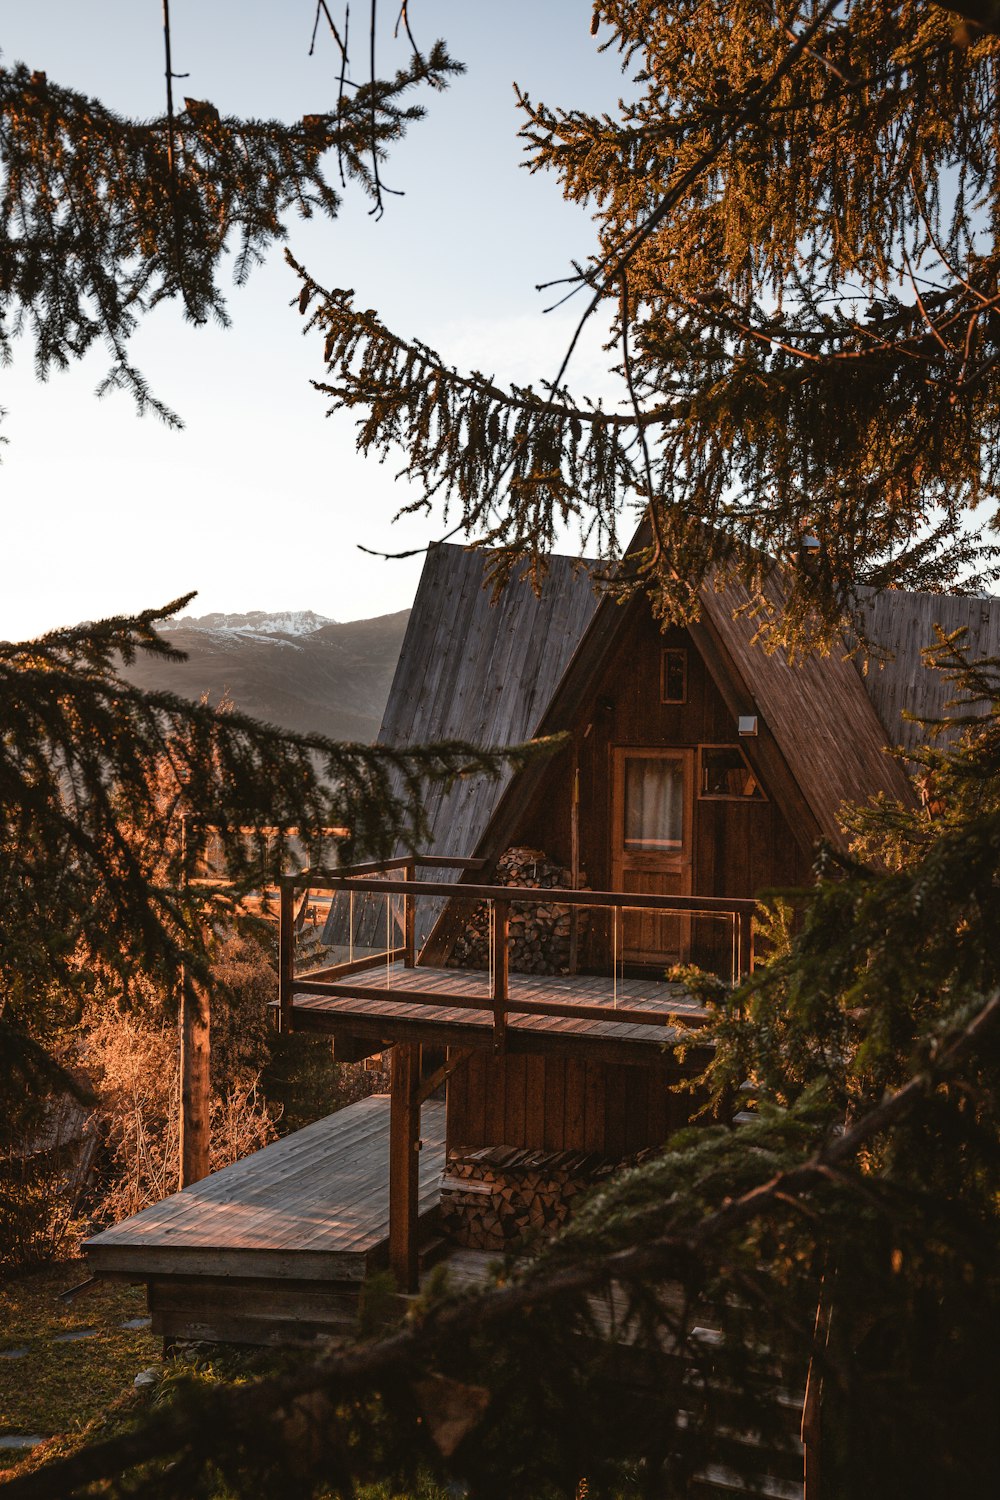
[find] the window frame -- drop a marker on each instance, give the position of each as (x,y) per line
(758,796)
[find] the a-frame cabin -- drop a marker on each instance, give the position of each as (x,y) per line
(696,771)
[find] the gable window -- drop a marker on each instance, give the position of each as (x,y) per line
(673,676)
(725,772)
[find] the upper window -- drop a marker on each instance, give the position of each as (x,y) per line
(726,773)
(673,676)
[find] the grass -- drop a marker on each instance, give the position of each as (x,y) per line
(59,1390)
(80,1393)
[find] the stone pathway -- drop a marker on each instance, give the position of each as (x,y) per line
(75,1335)
(18,1442)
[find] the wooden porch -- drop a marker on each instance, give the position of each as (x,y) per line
(390,994)
(568,1015)
(274,1249)
(375,998)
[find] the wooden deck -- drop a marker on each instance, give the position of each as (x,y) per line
(314,1206)
(361,1007)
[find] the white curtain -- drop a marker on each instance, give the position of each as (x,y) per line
(654,803)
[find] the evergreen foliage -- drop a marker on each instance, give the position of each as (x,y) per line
(850,1230)
(102,217)
(798,221)
(107,797)
(797,218)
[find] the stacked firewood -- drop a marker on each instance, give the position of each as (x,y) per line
(500,1197)
(540,933)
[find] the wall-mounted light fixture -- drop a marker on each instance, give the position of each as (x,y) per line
(747,724)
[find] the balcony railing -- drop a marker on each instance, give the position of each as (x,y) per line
(397,878)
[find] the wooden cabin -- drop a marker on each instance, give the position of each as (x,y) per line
(516,969)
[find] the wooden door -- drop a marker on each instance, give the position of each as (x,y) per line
(652,818)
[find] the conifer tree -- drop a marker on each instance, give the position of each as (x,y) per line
(108,796)
(848,1234)
(797,215)
(797,219)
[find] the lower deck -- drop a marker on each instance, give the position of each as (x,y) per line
(275,1247)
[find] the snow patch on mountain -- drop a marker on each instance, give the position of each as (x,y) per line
(292,622)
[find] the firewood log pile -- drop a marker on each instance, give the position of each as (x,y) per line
(499,1197)
(540,934)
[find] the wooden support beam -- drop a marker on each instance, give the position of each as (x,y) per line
(404,1146)
(195,1027)
(501,961)
(409,929)
(744,942)
(434,1081)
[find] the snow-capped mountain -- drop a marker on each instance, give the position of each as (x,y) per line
(259,622)
(294,668)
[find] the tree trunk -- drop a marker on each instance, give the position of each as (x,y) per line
(195,1060)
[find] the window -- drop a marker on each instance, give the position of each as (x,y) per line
(654,802)
(673,676)
(726,773)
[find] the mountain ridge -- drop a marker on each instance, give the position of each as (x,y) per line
(331,679)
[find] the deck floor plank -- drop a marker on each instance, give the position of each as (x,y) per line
(577,989)
(322,1192)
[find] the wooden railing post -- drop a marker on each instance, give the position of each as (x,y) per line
(409,928)
(404,1163)
(286,952)
(744,930)
(501,932)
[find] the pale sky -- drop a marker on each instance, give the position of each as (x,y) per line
(261,501)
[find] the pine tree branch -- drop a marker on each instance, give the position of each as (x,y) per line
(346,1374)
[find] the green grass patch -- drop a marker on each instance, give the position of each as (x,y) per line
(58,1390)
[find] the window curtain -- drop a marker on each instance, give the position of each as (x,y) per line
(654,803)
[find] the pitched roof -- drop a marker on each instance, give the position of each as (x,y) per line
(480,671)
(816,707)
(500,673)
(903,626)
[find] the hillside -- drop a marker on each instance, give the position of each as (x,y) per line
(293,668)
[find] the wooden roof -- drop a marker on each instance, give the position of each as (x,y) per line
(816,708)
(483,672)
(902,625)
(471,669)
(497,674)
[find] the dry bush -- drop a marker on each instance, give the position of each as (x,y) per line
(136,1071)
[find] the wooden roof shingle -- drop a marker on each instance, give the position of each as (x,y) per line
(902,625)
(480,671)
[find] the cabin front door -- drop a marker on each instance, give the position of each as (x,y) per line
(652,817)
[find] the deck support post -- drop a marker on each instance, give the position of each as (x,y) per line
(501,964)
(195,1086)
(286,953)
(404,1162)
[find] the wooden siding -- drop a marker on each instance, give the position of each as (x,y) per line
(740,847)
(902,625)
(562,1104)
